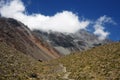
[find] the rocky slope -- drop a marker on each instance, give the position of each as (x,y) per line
(18,36)
(69,43)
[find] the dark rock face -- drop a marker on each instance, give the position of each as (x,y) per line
(68,43)
(17,35)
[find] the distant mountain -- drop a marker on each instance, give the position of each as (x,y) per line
(20,37)
(68,43)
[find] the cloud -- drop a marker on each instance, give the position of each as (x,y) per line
(99,27)
(65,21)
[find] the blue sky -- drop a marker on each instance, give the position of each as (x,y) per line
(88,8)
(91,10)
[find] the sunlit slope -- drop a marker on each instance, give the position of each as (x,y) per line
(100,63)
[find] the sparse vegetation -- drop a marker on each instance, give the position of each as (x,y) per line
(100,63)
(15,65)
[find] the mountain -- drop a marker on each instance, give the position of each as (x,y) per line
(36,55)
(20,37)
(45,45)
(66,43)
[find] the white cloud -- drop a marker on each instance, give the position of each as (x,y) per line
(65,21)
(99,27)
(99,31)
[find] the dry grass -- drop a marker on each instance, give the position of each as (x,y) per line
(100,63)
(15,65)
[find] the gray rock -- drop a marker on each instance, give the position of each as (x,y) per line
(68,43)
